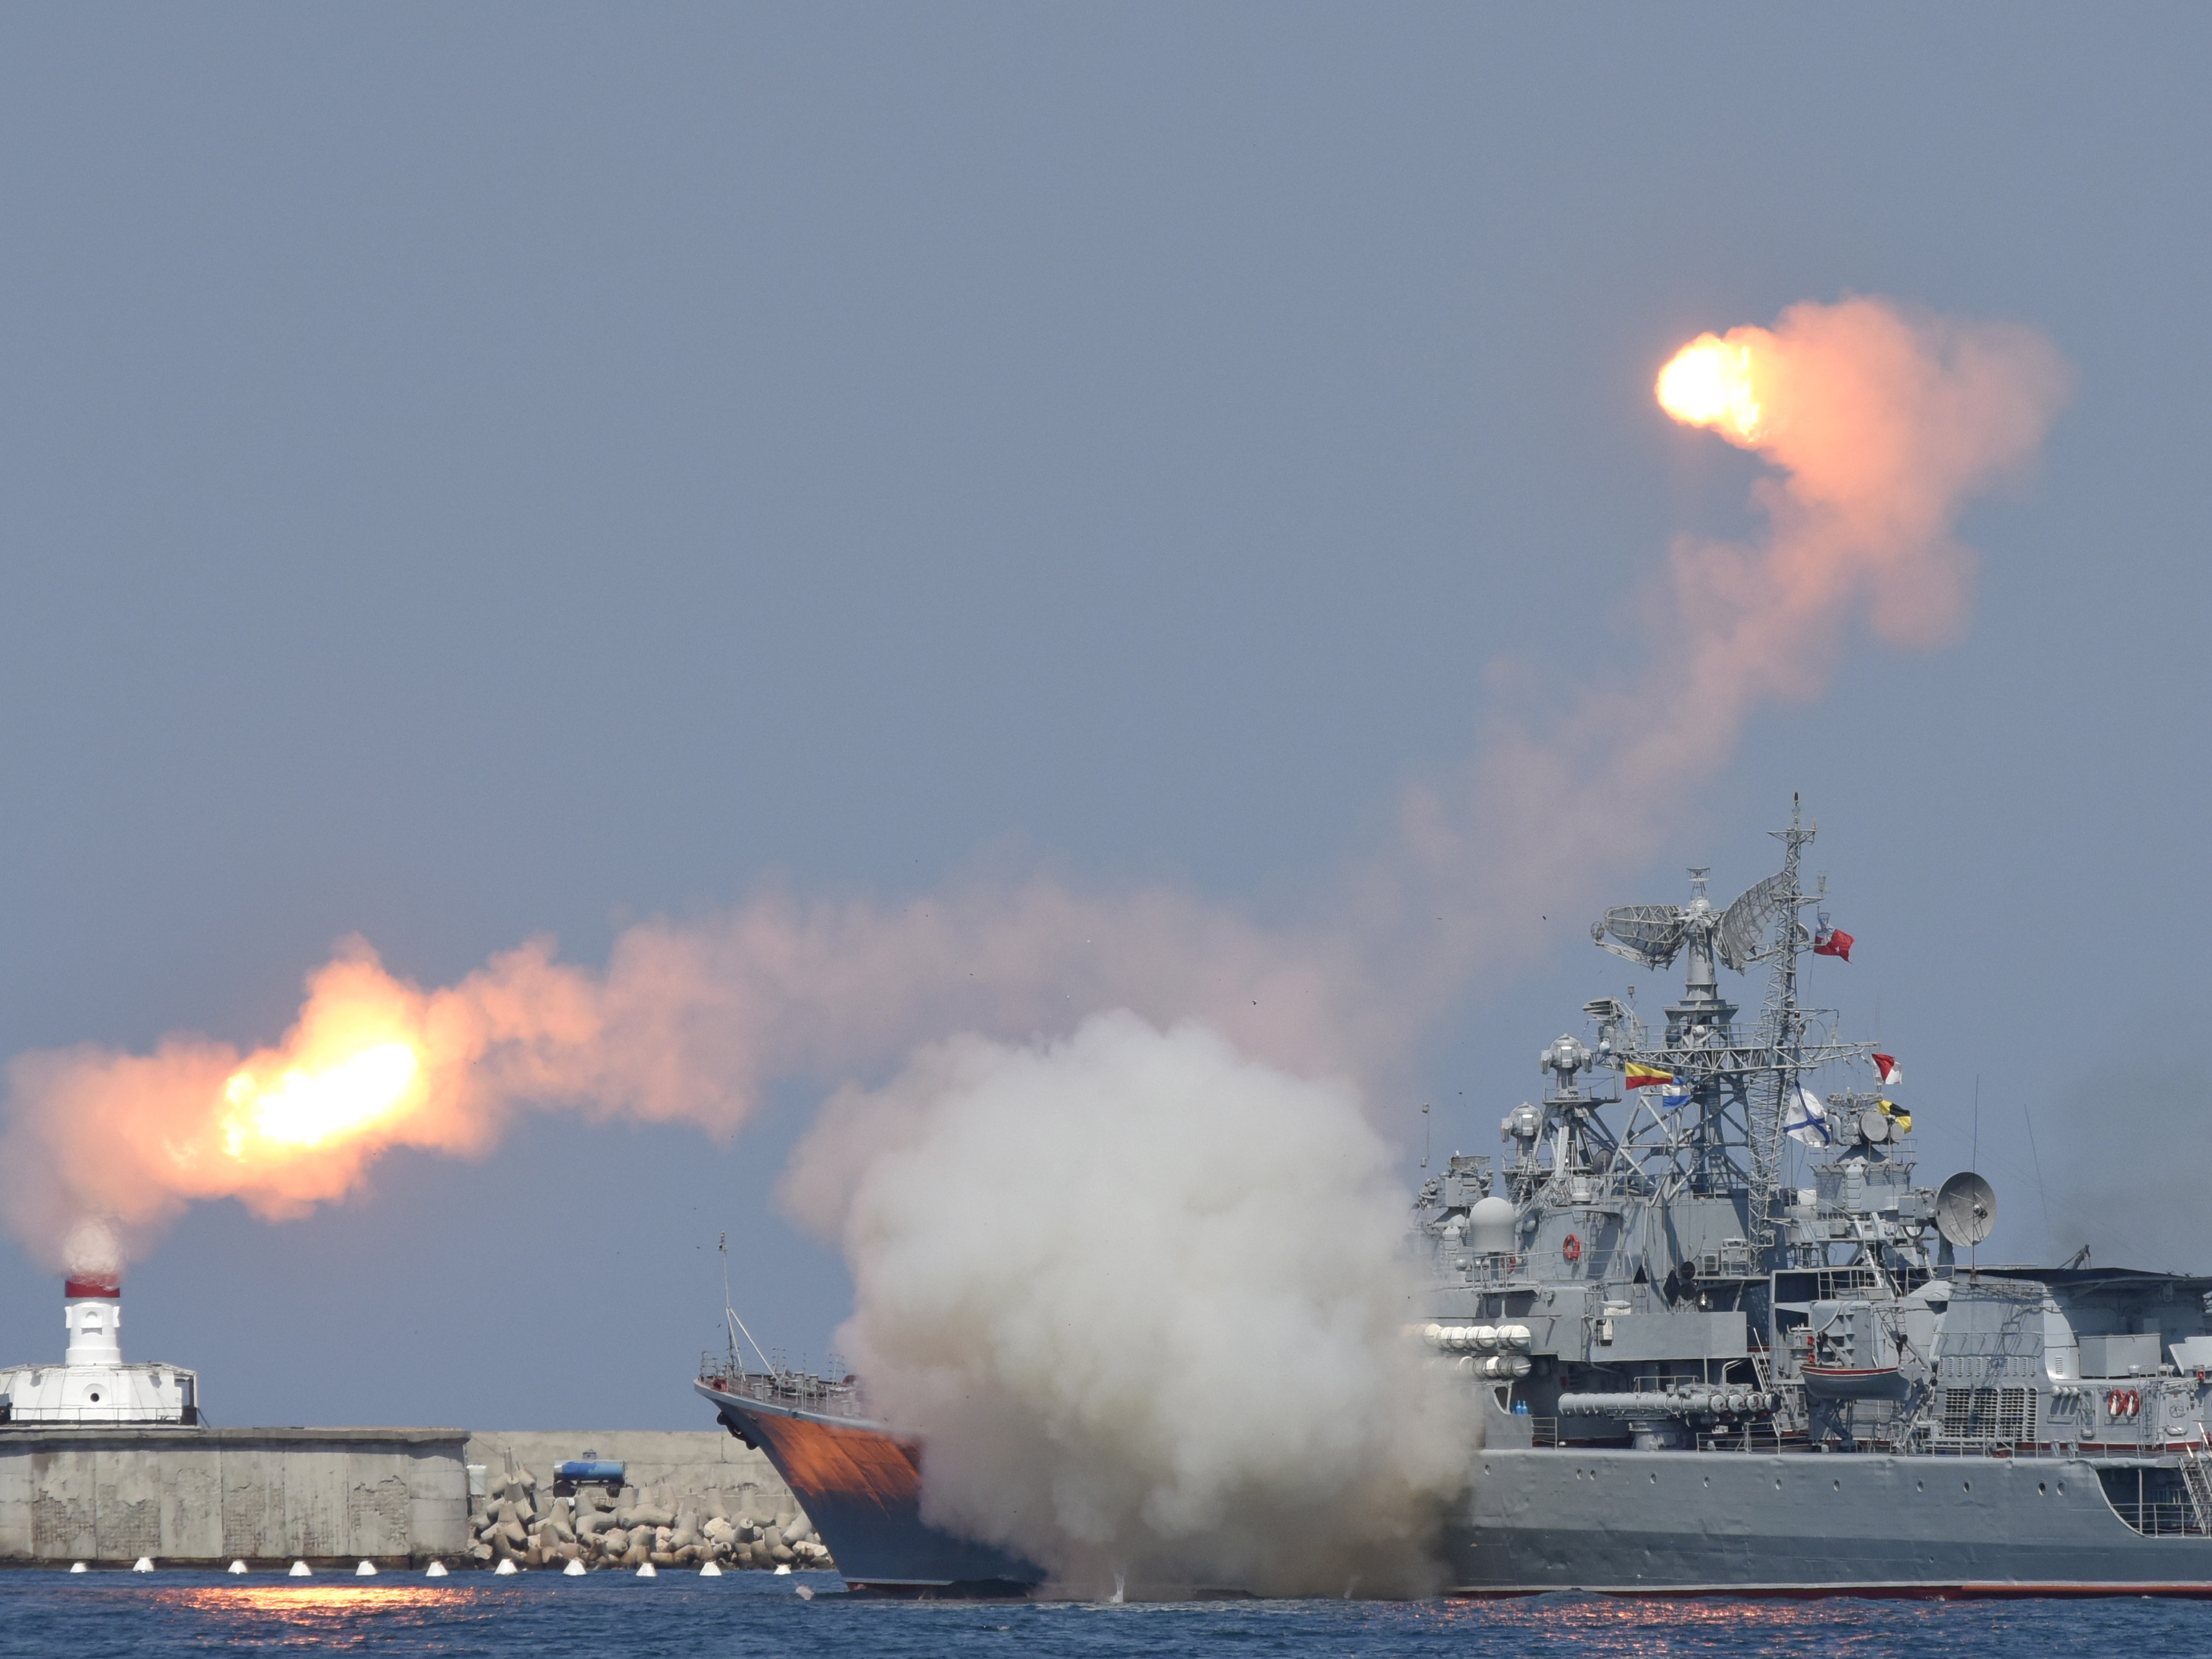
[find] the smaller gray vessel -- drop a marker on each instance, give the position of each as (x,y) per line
(1698,1377)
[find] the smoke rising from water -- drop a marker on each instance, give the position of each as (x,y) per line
(1146,1299)
(1138,1277)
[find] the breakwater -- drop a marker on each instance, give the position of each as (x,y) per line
(684,1499)
(209,1495)
(333,1497)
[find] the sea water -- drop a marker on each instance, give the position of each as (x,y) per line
(55,1615)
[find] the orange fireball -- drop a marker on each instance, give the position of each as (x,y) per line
(1713,382)
(302,1108)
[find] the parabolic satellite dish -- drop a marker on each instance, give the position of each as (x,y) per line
(1966,1209)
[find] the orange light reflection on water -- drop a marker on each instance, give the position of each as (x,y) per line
(319,1607)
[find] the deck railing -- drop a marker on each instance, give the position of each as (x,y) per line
(800,1390)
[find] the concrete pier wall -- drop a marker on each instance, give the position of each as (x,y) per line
(206,1497)
(209,1496)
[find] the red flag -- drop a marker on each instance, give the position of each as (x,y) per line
(1887,1065)
(1833,942)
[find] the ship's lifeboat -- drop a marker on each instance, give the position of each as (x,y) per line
(1855,1382)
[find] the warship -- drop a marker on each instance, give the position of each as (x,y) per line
(1695,1376)
(1698,1377)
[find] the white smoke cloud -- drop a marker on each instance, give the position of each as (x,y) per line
(1143,1299)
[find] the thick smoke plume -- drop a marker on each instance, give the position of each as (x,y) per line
(1882,422)
(685,1024)
(1146,1300)
(1133,1285)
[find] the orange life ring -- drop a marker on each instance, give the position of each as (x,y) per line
(2135,1402)
(1572,1249)
(2115,1405)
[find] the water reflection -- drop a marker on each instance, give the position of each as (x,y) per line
(321,1613)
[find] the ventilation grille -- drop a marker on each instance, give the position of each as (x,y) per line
(2006,1416)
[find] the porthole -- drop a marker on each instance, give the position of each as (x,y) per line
(1709,1481)
(1777,1483)
(1965,1486)
(1838,1484)
(2042,1491)
(95,1399)
(1920,1485)
(1655,1478)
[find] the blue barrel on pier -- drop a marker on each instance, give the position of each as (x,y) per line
(578,1470)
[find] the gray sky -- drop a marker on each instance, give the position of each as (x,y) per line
(469,473)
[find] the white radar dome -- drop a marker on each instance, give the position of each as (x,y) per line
(1490,1225)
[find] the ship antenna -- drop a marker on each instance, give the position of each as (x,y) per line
(730,1314)
(1973,1158)
(2028,1118)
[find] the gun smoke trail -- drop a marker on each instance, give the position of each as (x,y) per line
(1162,1124)
(1882,423)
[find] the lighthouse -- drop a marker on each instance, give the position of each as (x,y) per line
(93,1384)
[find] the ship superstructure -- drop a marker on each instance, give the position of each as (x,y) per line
(1698,1376)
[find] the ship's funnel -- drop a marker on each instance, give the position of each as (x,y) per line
(93,1312)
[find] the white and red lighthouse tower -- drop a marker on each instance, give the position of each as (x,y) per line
(93,1384)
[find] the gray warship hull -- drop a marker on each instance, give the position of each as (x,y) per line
(1621,1521)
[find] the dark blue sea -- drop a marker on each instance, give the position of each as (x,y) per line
(54,1615)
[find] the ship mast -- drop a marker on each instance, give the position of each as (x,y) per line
(1782,1028)
(1719,1126)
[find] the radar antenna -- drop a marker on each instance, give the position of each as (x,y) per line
(1649,934)
(1966,1209)
(1652,935)
(1744,925)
